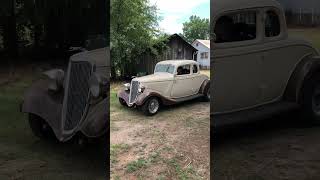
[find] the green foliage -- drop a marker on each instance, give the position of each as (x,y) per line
(136,165)
(134,28)
(196,28)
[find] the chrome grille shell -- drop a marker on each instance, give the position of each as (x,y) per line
(133,91)
(76,94)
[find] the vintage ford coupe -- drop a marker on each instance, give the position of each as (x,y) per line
(63,104)
(173,81)
(258,70)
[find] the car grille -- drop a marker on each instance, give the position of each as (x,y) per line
(133,91)
(77,93)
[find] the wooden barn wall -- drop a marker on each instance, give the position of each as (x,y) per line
(177,49)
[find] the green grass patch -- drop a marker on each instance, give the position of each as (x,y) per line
(136,165)
(116,149)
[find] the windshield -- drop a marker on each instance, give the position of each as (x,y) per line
(168,68)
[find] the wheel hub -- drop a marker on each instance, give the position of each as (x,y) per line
(153,106)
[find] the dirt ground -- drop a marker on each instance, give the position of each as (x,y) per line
(174,144)
(278,148)
(24,156)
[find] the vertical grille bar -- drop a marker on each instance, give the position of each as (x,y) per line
(78,91)
(133,91)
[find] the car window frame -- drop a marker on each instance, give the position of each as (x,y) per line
(183,74)
(259,26)
(198,70)
(281,21)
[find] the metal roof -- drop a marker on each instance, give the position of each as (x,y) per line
(178,62)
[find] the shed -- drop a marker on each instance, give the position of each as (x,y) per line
(177,48)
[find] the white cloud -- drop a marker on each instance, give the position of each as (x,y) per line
(173,11)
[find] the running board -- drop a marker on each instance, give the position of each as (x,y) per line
(247,116)
(179,100)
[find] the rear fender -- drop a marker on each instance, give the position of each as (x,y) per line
(204,86)
(304,70)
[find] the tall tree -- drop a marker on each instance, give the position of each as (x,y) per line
(134,24)
(196,28)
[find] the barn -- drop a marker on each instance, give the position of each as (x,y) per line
(177,48)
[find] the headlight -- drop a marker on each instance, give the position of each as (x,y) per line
(94,83)
(98,85)
(56,77)
(141,88)
(127,86)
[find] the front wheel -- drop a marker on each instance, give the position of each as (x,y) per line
(122,102)
(310,99)
(151,106)
(40,127)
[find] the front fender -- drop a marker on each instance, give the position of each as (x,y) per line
(308,66)
(38,101)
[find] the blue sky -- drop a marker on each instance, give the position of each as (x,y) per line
(175,12)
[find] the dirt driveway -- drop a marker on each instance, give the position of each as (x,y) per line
(278,148)
(174,144)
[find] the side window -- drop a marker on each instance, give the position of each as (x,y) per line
(241,26)
(272,24)
(195,69)
(183,70)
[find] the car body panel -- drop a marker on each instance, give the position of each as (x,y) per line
(170,88)
(252,73)
(51,106)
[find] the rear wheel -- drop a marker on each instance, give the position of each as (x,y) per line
(310,99)
(151,106)
(206,94)
(40,127)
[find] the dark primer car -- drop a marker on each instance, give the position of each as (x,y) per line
(64,104)
(258,69)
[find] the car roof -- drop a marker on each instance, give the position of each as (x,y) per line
(178,62)
(220,6)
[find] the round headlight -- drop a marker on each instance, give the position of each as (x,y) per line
(141,88)
(94,83)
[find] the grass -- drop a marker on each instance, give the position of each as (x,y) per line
(22,155)
(310,34)
(116,149)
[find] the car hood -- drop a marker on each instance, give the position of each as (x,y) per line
(99,57)
(155,78)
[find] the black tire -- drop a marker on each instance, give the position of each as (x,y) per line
(122,102)
(310,95)
(40,127)
(206,94)
(147,106)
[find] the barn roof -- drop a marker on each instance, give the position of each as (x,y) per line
(181,38)
(219,6)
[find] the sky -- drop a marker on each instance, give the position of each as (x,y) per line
(175,12)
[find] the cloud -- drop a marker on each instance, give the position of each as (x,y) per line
(175,12)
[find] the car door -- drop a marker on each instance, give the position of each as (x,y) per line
(236,61)
(280,56)
(182,82)
(197,79)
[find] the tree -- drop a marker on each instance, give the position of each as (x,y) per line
(134,26)
(196,28)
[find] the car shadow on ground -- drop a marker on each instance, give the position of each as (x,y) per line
(262,127)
